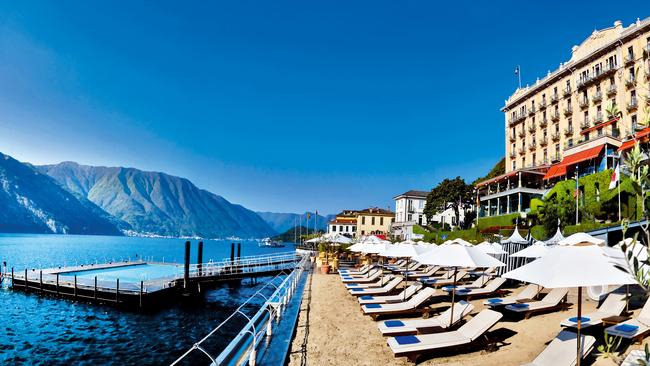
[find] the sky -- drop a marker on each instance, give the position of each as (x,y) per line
(280,106)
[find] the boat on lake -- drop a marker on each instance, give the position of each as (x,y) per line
(267,242)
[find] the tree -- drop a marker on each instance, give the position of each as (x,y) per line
(450,193)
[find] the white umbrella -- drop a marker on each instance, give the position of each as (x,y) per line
(491,248)
(339,239)
(315,240)
(372,239)
(357,247)
(580,265)
(457,255)
(556,238)
(538,249)
(578,238)
(516,238)
(402,250)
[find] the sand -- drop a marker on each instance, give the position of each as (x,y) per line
(339,334)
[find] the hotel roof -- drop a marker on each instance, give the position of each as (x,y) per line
(413,194)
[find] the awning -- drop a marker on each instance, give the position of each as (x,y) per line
(559,169)
(641,136)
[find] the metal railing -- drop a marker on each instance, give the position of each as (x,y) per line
(259,325)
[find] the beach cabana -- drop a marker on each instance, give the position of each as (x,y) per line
(513,244)
(579,265)
(579,238)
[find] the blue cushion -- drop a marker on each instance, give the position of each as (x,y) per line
(393,323)
(366,297)
(495,301)
(463,290)
(520,306)
(373,306)
(357,289)
(408,339)
(583,319)
(353,284)
(448,288)
(628,328)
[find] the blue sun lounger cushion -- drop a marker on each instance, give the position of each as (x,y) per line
(583,319)
(393,323)
(373,306)
(353,284)
(520,306)
(494,301)
(408,339)
(366,297)
(356,289)
(627,328)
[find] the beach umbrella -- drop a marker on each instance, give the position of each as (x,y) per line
(555,238)
(339,239)
(578,238)
(516,238)
(538,249)
(457,255)
(402,250)
(319,239)
(356,247)
(580,265)
(491,248)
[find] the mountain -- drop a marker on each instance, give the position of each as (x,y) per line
(157,203)
(292,235)
(35,203)
(281,222)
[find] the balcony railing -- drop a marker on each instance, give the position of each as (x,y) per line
(629,57)
(567,91)
(522,150)
(532,146)
(522,133)
(555,137)
(517,118)
(543,141)
(630,81)
(632,104)
(556,157)
(568,111)
(598,119)
(555,116)
(531,111)
(542,104)
(531,128)
(568,131)
(611,90)
(543,123)
(554,98)
(598,74)
(585,124)
(513,155)
(597,97)
(583,102)
(513,138)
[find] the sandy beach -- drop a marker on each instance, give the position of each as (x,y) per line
(339,333)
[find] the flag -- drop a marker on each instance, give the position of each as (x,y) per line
(308,216)
(615,177)
(517,70)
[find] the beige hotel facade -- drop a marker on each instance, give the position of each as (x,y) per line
(560,126)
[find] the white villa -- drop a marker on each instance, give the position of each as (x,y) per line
(409,211)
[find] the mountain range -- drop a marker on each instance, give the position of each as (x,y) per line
(281,222)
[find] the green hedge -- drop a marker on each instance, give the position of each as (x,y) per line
(501,220)
(471,235)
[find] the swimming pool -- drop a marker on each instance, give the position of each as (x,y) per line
(128,273)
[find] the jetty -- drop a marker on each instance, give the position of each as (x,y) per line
(140,283)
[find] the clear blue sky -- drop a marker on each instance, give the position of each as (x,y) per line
(280,106)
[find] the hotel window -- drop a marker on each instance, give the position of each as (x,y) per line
(545,155)
(600,132)
(363,220)
(534,160)
(633,118)
(347,230)
(557,151)
(568,106)
(334,230)
(372,220)
(568,85)
(341,230)
(570,143)
(514,165)
(570,123)
(612,81)
(381,222)
(631,70)
(630,52)
(523,162)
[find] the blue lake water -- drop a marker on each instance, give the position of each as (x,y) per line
(129,273)
(49,331)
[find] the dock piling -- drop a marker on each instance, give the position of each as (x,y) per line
(40,280)
(25,283)
(200,259)
(117,291)
(12,277)
(186,273)
(95,292)
(75,287)
(57,284)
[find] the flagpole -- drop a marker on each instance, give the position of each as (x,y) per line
(577,194)
(619,201)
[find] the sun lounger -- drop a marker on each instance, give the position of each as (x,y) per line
(399,264)
(613,305)
(412,305)
(636,328)
(443,281)
(562,350)
(529,292)
(370,270)
(551,301)
(412,346)
(372,276)
(412,268)
(491,287)
(361,271)
(429,272)
(422,326)
(379,282)
(478,283)
(402,296)
(385,289)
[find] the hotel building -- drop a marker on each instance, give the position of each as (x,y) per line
(409,211)
(371,221)
(574,120)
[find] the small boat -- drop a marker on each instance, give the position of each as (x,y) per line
(267,242)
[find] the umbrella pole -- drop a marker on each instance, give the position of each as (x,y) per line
(406,277)
(453,295)
(627,298)
(578,350)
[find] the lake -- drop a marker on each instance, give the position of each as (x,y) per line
(51,331)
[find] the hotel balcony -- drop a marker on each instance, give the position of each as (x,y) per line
(522,150)
(513,155)
(567,91)
(521,133)
(544,161)
(543,123)
(598,119)
(542,104)
(568,111)
(612,90)
(517,118)
(556,157)
(632,105)
(555,137)
(543,141)
(585,124)
(532,146)
(597,97)
(512,137)
(629,58)
(531,111)
(554,98)
(531,128)
(630,81)
(583,102)
(597,75)
(568,131)
(555,116)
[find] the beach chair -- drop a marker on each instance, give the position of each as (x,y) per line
(385,289)
(562,350)
(423,326)
(529,292)
(372,276)
(362,274)
(551,301)
(413,346)
(412,305)
(397,265)
(478,283)
(402,296)
(360,271)
(613,305)
(444,281)
(429,272)
(412,268)
(379,282)
(636,328)
(490,288)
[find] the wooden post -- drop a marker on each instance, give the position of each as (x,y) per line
(95,292)
(40,280)
(141,288)
(200,259)
(75,287)
(117,291)
(57,283)
(186,274)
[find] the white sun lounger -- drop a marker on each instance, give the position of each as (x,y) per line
(402,296)
(478,283)
(529,292)
(372,276)
(426,273)
(550,301)
(635,328)
(491,287)
(613,305)
(562,350)
(361,271)
(388,287)
(369,271)
(379,282)
(405,307)
(412,346)
(444,281)
(414,326)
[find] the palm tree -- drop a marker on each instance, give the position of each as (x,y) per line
(613,111)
